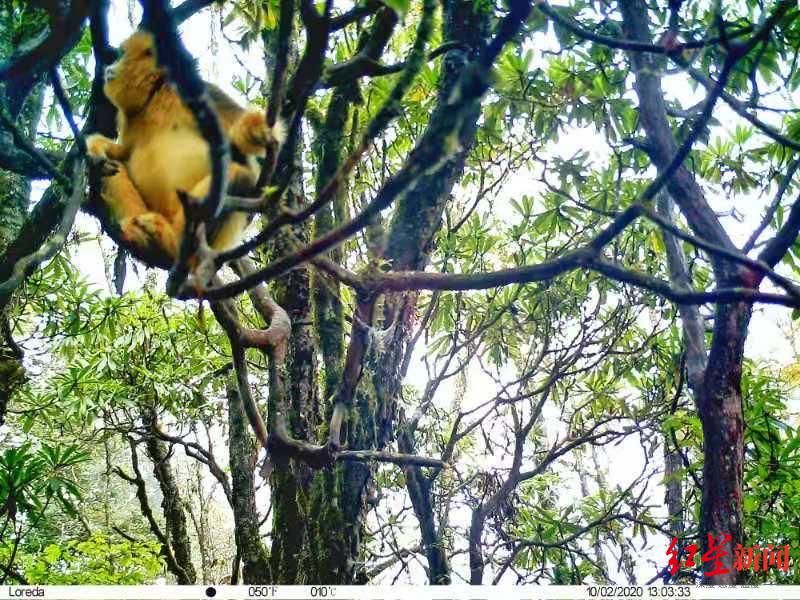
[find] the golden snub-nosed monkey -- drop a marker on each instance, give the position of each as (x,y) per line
(160,151)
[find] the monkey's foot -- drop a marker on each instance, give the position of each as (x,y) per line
(151,233)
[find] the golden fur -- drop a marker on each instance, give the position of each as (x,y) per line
(161,151)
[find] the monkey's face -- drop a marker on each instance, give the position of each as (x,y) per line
(135,77)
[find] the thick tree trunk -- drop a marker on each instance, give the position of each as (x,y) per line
(325,536)
(419,491)
(319,516)
(417,217)
(144,505)
(329,313)
(723,434)
(241,448)
(15,193)
(290,482)
(416,220)
(171,503)
(12,371)
(673,482)
(718,388)
(696,359)
(335,499)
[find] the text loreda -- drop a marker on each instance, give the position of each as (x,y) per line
(25,592)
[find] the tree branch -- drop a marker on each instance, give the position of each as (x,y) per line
(630,45)
(36,57)
(27,264)
(278,87)
(189,8)
(775,248)
(430,151)
(691,320)
(786,182)
(141,494)
(26,145)
(354,14)
(199,453)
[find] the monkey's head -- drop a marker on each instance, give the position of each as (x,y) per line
(136,76)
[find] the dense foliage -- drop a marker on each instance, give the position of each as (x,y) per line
(516,351)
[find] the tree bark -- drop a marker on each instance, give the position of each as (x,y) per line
(171,502)
(419,490)
(723,438)
(144,505)
(291,482)
(416,219)
(202,528)
(415,222)
(718,394)
(696,359)
(15,194)
(254,556)
(319,517)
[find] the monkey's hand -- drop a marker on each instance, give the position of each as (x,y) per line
(98,145)
(251,134)
(105,152)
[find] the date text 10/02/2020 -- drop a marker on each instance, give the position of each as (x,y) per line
(745,558)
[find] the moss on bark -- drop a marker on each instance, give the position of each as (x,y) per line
(241,449)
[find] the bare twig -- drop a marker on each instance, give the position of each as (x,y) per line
(786,182)
(61,96)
